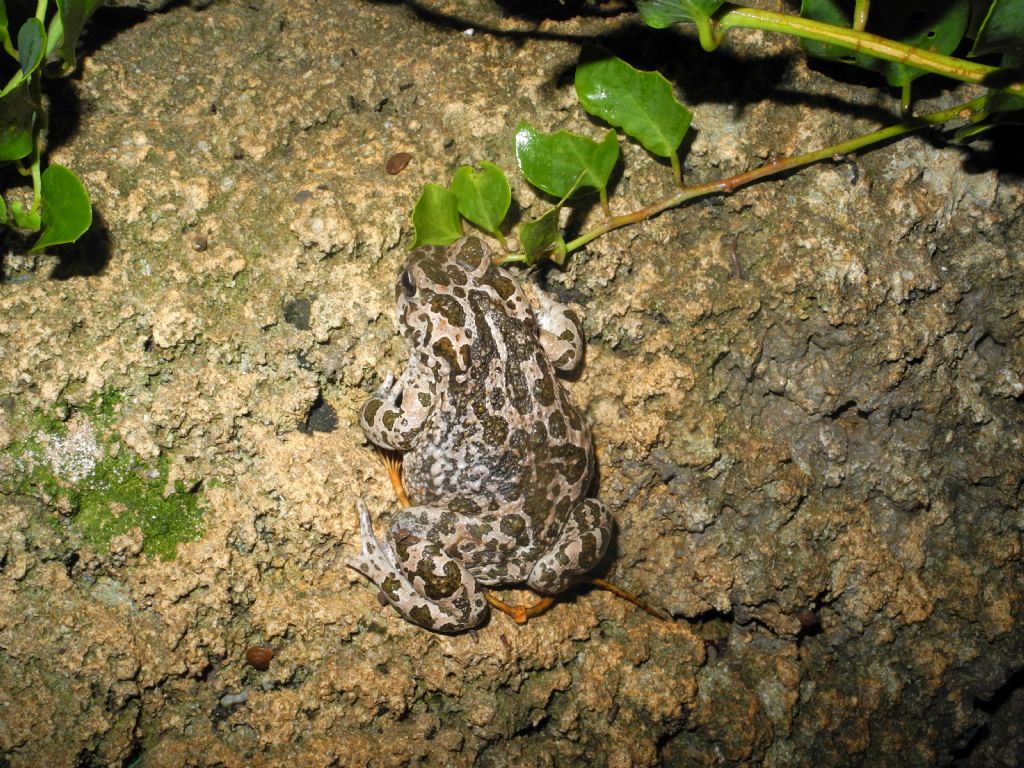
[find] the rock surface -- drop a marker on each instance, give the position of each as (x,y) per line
(807,399)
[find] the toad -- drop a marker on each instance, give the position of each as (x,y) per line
(496,457)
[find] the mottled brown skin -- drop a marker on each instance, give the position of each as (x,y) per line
(497,458)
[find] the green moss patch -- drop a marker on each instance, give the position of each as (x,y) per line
(100,487)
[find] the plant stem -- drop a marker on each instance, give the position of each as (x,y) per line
(677,168)
(501,239)
(731,16)
(37,186)
(708,33)
(39,127)
(860,15)
(777,166)
(9,47)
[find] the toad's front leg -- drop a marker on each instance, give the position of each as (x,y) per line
(396,413)
(561,333)
(415,573)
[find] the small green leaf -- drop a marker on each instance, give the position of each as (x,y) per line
(663,13)
(17,80)
(17,117)
(979,8)
(73,15)
(24,219)
(435,217)
(560,163)
(1002,29)
(968,132)
(1003,101)
(484,195)
(66,212)
(641,103)
(925,24)
(1000,108)
(540,236)
(31,41)
(54,35)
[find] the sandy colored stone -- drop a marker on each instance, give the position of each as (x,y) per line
(805,398)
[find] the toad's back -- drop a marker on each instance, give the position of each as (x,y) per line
(497,459)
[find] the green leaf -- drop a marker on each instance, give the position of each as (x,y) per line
(999,109)
(663,13)
(435,217)
(17,117)
(560,163)
(484,195)
(73,15)
(538,237)
(979,8)
(641,103)
(968,132)
(1002,29)
(931,25)
(17,80)
(31,41)
(24,219)
(66,212)
(1003,101)
(54,35)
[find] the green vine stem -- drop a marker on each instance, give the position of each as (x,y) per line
(860,15)
(677,168)
(773,168)
(39,129)
(734,17)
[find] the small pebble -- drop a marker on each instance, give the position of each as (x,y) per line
(397,162)
(259,656)
(231,699)
(808,619)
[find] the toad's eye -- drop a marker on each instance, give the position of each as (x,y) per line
(406,284)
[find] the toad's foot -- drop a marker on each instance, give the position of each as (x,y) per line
(438,594)
(618,591)
(523,613)
(393,463)
(375,557)
(520,613)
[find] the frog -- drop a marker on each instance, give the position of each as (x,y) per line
(497,459)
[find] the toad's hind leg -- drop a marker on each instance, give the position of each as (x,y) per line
(580,545)
(416,575)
